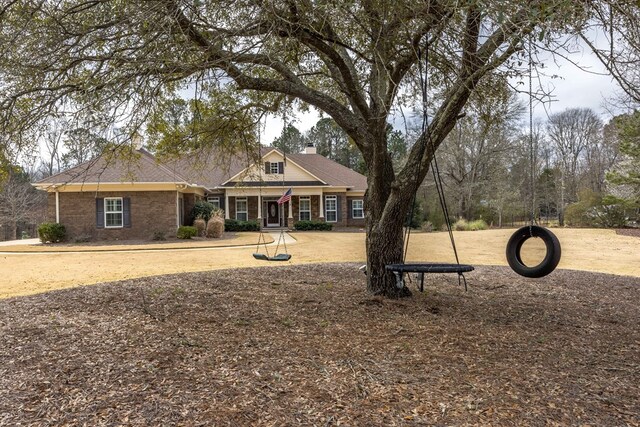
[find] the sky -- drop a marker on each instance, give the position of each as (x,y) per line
(571,87)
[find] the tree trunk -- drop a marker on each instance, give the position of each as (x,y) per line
(386,209)
(13,230)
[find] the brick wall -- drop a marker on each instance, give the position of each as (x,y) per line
(150,212)
(353,222)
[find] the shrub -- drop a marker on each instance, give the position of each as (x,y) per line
(461,225)
(476,225)
(159,235)
(215,227)
(51,232)
(202,209)
(312,226)
(25,235)
(83,238)
(235,225)
(594,210)
(427,226)
(200,224)
(186,232)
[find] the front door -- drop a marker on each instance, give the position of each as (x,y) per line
(273,214)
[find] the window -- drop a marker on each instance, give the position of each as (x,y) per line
(215,201)
(331,208)
(305,208)
(241,209)
(357,209)
(273,168)
(113,213)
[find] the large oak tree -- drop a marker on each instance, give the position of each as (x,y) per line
(355,60)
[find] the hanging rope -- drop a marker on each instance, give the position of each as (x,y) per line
(424,89)
(532,170)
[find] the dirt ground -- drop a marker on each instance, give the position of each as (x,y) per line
(29,273)
(305,345)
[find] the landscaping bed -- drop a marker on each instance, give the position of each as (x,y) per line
(306,345)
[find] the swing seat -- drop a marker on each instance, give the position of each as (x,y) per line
(428,267)
(279,257)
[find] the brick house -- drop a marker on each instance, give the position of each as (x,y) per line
(137,198)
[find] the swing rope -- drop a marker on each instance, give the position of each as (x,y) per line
(281,237)
(421,268)
(437,177)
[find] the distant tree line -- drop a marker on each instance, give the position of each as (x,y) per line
(572,170)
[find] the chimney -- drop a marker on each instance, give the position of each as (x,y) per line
(310,149)
(137,142)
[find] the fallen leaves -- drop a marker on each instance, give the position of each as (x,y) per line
(231,348)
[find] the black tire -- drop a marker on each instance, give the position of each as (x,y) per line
(550,261)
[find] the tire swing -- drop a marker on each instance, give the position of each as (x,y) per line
(551,242)
(427,267)
(551,259)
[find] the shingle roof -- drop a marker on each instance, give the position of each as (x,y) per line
(211,171)
(140,168)
(330,172)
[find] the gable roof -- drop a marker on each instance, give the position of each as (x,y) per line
(210,172)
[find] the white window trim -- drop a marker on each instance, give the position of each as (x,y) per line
(271,168)
(121,212)
(214,200)
(353,209)
(246,212)
(327,210)
(300,207)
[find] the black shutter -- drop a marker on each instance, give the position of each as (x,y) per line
(222,206)
(280,167)
(349,209)
(100,213)
(267,167)
(338,208)
(126,212)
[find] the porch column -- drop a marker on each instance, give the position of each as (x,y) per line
(226,205)
(321,206)
(259,207)
(290,208)
(177,209)
(57,206)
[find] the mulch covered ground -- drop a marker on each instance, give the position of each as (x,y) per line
(306,345)
(634,232)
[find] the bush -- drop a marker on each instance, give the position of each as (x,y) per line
(186,232)
(51,232)
(427,227)
(312,226)
(476,225)
(461,225)
(215,227)
(202,210)
(594,210)
(235,225)
(200,224)
(83,238)
(159,235)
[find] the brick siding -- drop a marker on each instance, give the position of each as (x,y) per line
(151,212)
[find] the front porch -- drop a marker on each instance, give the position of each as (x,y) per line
(339,208)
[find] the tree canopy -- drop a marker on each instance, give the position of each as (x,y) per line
(356,61)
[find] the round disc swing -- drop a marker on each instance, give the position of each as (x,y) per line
(517,240)
(426,267)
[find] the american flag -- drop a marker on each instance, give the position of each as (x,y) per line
(285,197)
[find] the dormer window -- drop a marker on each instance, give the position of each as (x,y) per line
(273,168)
